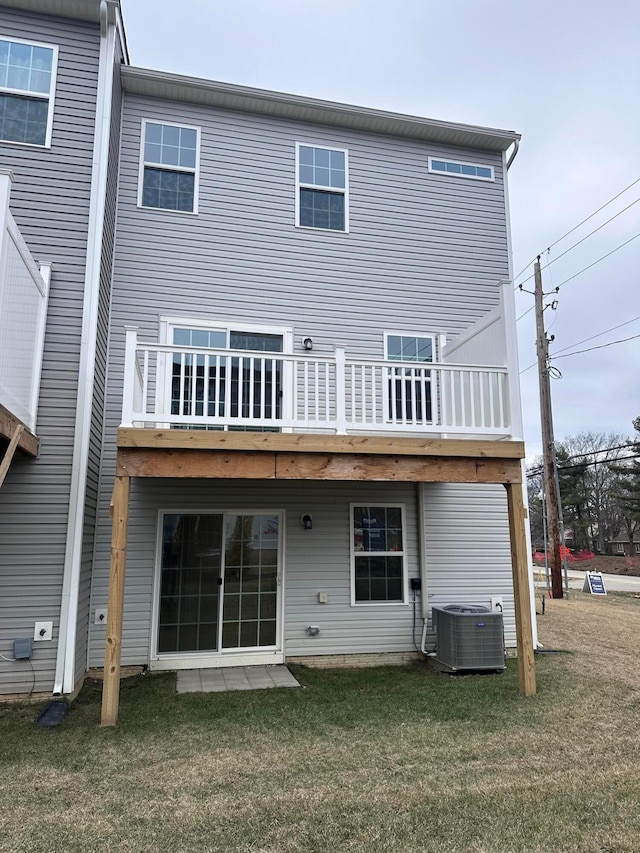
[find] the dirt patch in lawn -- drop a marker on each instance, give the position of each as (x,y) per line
(608,565)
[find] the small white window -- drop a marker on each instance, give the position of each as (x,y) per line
(322,187)
(637,546)
(378,566)
(619,548)
(169,166)
(27,86)
(461,170)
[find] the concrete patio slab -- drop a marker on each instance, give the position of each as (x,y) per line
(234,678)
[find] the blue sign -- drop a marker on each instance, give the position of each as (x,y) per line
(594,583)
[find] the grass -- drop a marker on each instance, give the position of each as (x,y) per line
(395,759)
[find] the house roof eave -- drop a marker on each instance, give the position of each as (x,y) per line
(174,87)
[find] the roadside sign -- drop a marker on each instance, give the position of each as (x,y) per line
(594,583)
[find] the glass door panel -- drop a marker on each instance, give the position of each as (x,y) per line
(250,581)
(190,583)
(220,385)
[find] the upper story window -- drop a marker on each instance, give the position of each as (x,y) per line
(322,188)
(461,170)
(27,86)
(169,167)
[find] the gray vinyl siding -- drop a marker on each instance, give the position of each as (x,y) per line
(97,414)
(425,252)
(316,560)
(468,552)
(50,201)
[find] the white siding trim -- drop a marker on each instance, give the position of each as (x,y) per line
(65,659)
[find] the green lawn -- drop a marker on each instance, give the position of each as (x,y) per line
(395,759)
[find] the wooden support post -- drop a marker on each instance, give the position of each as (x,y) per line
(11,449)
(113,647)
(519,568)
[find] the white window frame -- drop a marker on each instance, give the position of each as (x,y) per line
(436,341)
(231,657)
(38,96)
(619,548)
(637,547)
(460,175)
(168,324)
(144,163)
(353,553)
(336,190)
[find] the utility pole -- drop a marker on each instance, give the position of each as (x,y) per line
(548,449)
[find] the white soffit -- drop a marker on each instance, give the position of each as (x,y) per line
(159,84)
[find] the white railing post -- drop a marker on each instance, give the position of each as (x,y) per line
(45,272)
(341,392)
(131,343)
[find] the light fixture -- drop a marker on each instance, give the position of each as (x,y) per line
(307,521)
(307,343)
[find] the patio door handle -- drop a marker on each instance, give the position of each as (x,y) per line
(219,581)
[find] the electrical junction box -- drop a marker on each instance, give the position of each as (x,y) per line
(23,648)
(322,598)
(43,631)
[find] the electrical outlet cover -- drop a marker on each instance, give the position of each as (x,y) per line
(43,631)
(100,617)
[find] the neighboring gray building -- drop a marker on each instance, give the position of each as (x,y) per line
(295,354)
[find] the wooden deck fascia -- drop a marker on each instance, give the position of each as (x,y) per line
(27,442)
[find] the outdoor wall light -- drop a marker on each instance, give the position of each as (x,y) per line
(313,630)
(307,522)
(307,343)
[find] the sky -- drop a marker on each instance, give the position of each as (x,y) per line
(565,75)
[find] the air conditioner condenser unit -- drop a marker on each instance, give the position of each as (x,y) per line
(469,637)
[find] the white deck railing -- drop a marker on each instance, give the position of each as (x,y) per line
(191,387)
(24,291)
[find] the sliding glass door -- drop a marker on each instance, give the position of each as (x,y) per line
(218,588)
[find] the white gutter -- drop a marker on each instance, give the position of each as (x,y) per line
(513,365)
(65,662)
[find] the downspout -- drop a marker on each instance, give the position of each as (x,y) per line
(513,366)
(516,146)
(65,661)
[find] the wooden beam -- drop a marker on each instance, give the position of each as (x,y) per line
(11,449)
(115,606)
(28,442)
(520,571)
(417,469)
(155,462)
(398,445)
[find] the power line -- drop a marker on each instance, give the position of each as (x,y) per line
(602,346)
(575,227)
(612,329)
(635,237)
(537,471)
(590,234)
(621,246)
(584,341)
(627,446)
